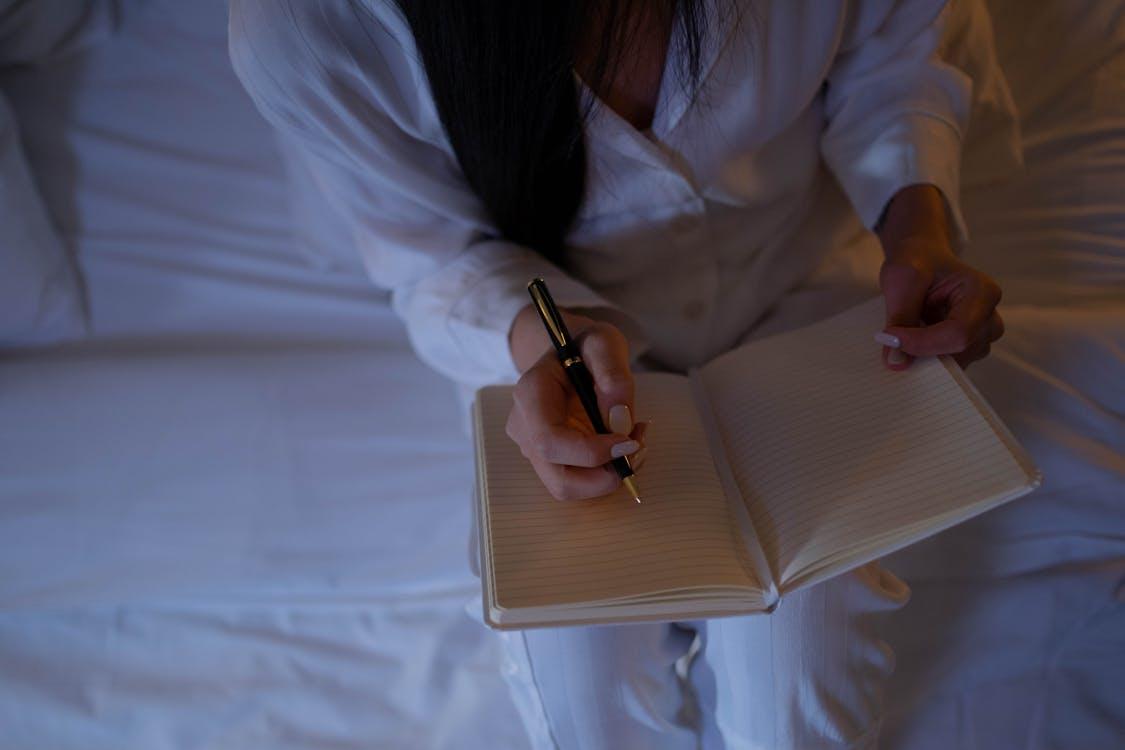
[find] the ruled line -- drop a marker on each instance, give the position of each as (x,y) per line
(680,537)
(830,449)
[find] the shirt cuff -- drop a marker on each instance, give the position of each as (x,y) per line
(919,149)
(484,291)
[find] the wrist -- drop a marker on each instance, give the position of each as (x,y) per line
(522,337)
(915,222)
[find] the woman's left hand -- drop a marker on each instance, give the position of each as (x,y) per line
(935,302)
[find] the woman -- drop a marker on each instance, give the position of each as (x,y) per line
(672,168)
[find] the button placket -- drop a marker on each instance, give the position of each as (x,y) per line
(690,230)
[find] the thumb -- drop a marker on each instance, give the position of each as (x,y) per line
(904,295)
(606,353)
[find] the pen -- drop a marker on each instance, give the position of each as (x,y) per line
(571,360)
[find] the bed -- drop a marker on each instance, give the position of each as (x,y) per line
(236,514)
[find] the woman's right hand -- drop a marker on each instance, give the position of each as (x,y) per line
(548,421)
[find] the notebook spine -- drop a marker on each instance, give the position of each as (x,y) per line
(760,567)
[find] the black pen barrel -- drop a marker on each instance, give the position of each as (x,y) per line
(583,384)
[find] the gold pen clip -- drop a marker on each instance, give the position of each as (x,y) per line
(548,312)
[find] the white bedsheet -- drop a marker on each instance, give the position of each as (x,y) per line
(237,517)
(1015,635)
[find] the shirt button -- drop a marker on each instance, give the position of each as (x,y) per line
(694,310)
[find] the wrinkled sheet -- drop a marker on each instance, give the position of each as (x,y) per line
(238,515)
(1015,635)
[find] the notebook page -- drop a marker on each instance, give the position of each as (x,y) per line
(832,451)
(547,552)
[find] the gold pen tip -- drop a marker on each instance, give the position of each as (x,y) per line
(631,486)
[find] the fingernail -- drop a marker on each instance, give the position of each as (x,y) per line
(887,339)
(896,357)
(624,448)
(620,420)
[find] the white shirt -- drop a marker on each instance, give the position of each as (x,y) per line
(688,231)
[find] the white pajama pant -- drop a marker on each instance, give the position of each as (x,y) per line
(809,676)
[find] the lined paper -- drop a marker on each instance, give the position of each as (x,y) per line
(548,552)
(835,455)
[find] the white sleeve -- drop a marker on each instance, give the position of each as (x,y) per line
(343,86)
(895,111)
(37,31)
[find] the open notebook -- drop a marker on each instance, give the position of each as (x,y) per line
(774,466)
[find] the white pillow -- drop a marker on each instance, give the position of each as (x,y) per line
(40,297)
(993,146)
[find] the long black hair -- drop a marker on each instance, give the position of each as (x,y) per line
(501,73)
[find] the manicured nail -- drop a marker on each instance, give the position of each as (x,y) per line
(887,339)
(624,448)
(896,357)
(620,420)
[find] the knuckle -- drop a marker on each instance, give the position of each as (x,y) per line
(596,328)
(614,336)
(524,387)
(565,491)
(557,491)
(592,336)
(541,446)
(601,338)
(614,382)
(995,293)
(990,290)
(903,272)
(551,480)
(959,338)
(602,329)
